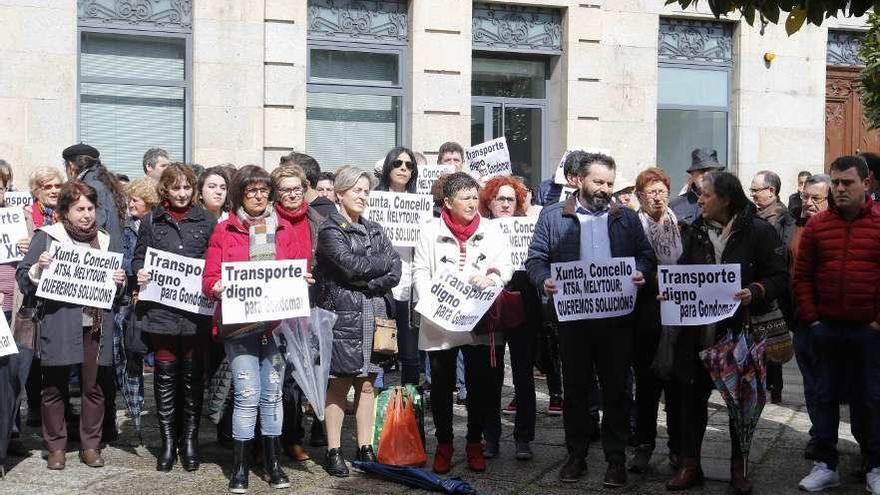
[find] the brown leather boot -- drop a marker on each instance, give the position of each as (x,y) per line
(741,485)
(689,475)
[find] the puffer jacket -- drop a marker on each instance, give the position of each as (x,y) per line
(189,238)
(837,267)
(351,264)
(755,245)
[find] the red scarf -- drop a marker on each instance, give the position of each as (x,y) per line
(176,213)
(461,232)
(301,235)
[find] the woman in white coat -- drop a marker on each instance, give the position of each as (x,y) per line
(460,242)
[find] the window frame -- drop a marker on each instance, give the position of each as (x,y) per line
(400,90)
(186,83)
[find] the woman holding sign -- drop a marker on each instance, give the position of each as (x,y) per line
(253,232)
(400,174)
(504,197)
(179,338)
(728,231)
(71,334)
(459,242)
(355,271)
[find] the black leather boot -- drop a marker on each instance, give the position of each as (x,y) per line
(193,393)
(238,480)
(165,391)
(334,463)
(271,449)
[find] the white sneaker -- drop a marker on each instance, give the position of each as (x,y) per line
(821,477)
(873,484)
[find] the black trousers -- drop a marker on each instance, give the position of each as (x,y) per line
(522,360)
(479,380)
(547,357)
(292,431)
(604,345)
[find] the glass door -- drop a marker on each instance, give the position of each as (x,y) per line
(522,125)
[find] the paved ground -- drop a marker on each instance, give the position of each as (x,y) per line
(776,461)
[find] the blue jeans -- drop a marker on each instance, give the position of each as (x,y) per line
(845,352)
(806,361)
(258,377)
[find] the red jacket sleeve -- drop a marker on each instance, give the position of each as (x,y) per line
(213,259)
(804,278)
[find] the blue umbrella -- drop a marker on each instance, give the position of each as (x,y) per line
(417,478)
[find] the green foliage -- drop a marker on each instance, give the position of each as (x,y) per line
(799,11)
(869,79)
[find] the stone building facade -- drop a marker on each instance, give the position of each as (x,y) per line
(247,81)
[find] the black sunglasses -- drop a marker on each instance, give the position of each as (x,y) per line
(397,163)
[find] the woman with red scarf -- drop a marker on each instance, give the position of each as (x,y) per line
(459,242)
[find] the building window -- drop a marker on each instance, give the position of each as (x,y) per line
(356,79)
(135,75)
(693,93)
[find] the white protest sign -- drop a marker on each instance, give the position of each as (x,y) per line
(559,176)
(7,344)
(18,199)
(80,275)
(698,294)
(429,174)
(589,290)
(176,281)
(454,304)
(566,193)
(488,159)
(401,215)
(255,291)
(13,228)
(519,231)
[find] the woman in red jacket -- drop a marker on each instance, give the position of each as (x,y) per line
(253,232)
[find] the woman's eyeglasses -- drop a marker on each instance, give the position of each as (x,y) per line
(291,191)
(49,187)
(398,163)
(252,193)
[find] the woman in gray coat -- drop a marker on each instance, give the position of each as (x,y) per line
(71,334)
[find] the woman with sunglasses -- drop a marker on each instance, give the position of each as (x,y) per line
(399,174)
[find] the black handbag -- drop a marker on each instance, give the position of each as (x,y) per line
(133,339)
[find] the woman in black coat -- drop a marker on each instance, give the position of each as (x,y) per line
(355,271)
(729,231)
(178,337)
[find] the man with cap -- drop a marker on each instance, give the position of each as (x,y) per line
(685,206)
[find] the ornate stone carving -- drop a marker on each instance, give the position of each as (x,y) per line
(684,40)
(516,28)
(834,114)
(366,20)
(176,14)
(838,88)
(843,48)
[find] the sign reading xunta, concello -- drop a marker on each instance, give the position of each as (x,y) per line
(588,290)
(698,294)
(255,291)
(401,215)
(80,275)
(176,281)
(454,304)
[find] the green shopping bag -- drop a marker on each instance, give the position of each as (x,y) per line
(381,404)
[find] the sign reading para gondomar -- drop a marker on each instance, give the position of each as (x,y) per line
(401,215)
(698,294)
(255,291)
(7,344)
(488,159)
(559,176)
(589,290)
(454,304)
(80,275)
(176,282)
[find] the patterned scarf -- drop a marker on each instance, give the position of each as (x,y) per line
(261,233)
(88,236)
(664,236)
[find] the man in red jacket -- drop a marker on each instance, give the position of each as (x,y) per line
(835,285)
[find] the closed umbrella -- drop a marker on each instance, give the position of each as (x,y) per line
(417,478)
(307,344)
(129,368)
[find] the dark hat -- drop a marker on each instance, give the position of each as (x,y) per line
(704,159)
(71,152)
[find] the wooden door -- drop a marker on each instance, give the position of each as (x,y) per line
(845,130)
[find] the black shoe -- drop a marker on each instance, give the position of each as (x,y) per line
(575,468)
(165,392)
(271,449)
(238,480)
(641,461)
(490,451)
(523,451)
(776,396)
(615,476)
(193,392)
(334,463)
(317,438)
(596,432)
(366,454)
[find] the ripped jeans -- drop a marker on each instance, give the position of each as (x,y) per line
(257,376)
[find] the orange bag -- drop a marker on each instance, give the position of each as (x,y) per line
(400,442)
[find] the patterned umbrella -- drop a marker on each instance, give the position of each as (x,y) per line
(129,367)
(736,365)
